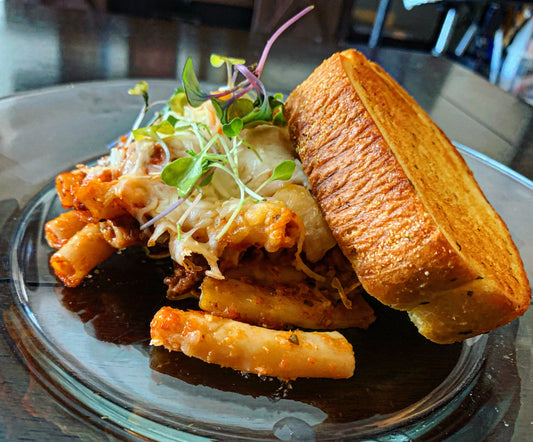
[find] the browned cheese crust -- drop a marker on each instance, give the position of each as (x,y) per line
(402,203)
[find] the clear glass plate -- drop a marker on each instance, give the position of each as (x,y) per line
(89,345)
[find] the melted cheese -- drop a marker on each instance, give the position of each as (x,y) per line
(195,225)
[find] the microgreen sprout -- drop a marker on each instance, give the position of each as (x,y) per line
(168,210)
(219,60)
(259,68)
(141,88)
(282,172)
(239,105)
(247,99)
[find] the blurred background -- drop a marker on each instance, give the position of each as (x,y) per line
(492,38)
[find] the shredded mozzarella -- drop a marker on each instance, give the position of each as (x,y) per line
(192,227)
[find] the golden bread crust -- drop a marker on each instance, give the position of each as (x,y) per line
(402,203)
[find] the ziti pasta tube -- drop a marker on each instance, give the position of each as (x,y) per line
(284,354)
(81,253)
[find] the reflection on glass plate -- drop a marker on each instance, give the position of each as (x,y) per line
(90,346)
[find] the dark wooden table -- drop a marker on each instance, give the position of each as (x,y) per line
(42,47)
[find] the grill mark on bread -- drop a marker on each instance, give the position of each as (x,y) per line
(351,198)
(482,212)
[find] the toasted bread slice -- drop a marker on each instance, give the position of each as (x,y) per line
(402,204)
